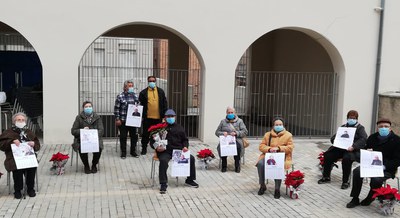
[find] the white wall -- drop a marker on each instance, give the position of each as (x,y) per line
(220,30)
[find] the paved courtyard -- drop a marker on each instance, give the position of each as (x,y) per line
(122,188)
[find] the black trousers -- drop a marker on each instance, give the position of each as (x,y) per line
(333,154)
(376,182)
(164,158)
(85,158)
(123,135)
(18,176)
(145,134)
(224,161)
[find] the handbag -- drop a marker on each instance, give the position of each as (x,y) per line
(246,142)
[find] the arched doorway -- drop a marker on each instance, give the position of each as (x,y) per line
(135,52)
(286,73)
(20,78)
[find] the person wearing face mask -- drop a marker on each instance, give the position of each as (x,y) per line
(276,140)
(154,104)
(387,142)
(88,119)
(177,139)
(124,99)
(17,134)
(348,156)
(234,126)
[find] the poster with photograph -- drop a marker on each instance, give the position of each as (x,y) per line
(371,164)
(24,156)
(89,140)
(274,165)
(344,137)
(134,115)
(227,145)
(180,163)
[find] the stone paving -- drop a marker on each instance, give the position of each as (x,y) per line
(122,188)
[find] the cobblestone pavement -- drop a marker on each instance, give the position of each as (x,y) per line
(122,188)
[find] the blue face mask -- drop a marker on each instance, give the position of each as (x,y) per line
(152,85)
(131,90)
(351,122)
(88,110)
(278,128)
(170,120)
(383,131)
(230,116)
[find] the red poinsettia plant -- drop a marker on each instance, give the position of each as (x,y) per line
(157,128)
(321,159)
(386,193)
(59,157)
(205,153)
(294,179)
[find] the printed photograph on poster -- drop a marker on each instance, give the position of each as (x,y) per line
(371,164)
(89,140)
(227,145)
(134,115)
(274,165)
(24,156)
(344,137)
(180,163)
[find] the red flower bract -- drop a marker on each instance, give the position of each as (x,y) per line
(387,192)
(59,157)
(321,158)
(157,126)
(205,153)
(294,178)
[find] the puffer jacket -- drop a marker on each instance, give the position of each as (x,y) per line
(80,123)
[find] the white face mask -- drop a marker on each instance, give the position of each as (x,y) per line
(20,124)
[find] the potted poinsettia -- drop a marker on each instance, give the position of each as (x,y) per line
(59,161)
(205,156)
(387,197)
(293,182)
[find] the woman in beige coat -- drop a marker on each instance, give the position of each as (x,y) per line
(276,140)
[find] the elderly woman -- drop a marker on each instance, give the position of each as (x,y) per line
(276,140)
(17,134)
(234,126)
(87,119)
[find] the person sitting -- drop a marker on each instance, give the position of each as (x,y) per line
(17,134)
(387,142)
(234,126)
(87,119)
(276,140)
(348,156)
(178,140)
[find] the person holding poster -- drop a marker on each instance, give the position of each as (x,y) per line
(17,134)
(234,126)
(276,140)
(348,156)
(124,99)
(177,140)
(154,104)
(87,119)
(387,142)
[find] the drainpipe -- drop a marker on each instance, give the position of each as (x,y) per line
(380,10)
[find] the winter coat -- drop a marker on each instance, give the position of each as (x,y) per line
(80,123)
(283,140)
(7,138)
(238,127)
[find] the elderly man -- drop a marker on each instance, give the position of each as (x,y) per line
(17,134)
(177,139)
(388,143)
(124,99)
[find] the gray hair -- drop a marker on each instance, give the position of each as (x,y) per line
(14,117)
(231,108)
(126,83)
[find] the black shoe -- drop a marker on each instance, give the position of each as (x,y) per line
(123,155)
(144,151)
(133,154)
(367,201)
(353,203)
(345,185)
(17,195)
(191,183)
(277,194)
(31,193)
(237,169)
(87,170)
(262,190)
(223,169)
(163,188)
(324,180)
(94,168)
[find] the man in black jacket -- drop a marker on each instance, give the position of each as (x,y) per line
(388,143)
(154,106)
(348,156)
(177,139)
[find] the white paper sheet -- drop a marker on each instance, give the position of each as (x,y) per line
(227,145)
(344,137)
(24,156)
(134,115)
(89,140)
(274,165)
(180,163)
(371,164)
